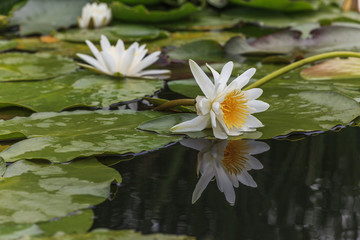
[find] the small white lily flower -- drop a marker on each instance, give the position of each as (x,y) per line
(227,161)
(116,60)
(94,15)
(227,109)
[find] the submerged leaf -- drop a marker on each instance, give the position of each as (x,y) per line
(80,89)
(25,66)
(61,137)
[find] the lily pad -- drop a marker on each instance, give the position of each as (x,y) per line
(25,66)
(2,167)
(281,5)
(7,45)
(80,89)
(206,50)
(333,69)
(52,191)
(61,137)
(115,235)
(38,16)
(16,231)
(140,13)
(127,32)
(293,108)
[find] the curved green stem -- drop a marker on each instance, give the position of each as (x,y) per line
(300,63)
(175,103)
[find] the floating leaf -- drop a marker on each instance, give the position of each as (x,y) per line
(281,5)
(61,137)
(127,32)
(52,190)
(115,235)
(16,231)
(292,109)
(82,88)
(333,69)
(2,167)
(206,50)
(38,16)
(140,13)
(281,19)
(25,66)
(7,45)
(134,2)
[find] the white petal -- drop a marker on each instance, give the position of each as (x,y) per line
(226,72)
(254,163)
(93,62)
(215,74)
(219,131)
(225,185)
(205,84)
(246,179)
(253,93)
(257,147)
(147,61)
(258,106)
(127,61)
(154,72)
(105,44)
(197,124)
(120,46)
(93,49)
(241,80)
(203,105)
(213,119)
(109,62)
(253,122)
(197,144)
(202,183)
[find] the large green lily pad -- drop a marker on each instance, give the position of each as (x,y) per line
(25,66)
(38,16)
(281,5)
(52,191)
(60,137)
(140,13)
(127,32)
(82,88)
(293,108)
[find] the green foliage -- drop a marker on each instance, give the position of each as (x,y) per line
(38,66)
(80,89)
(281,5)
(126,32)
(61,137)
(38,16)
(7,45)
(206,50)
(140,13)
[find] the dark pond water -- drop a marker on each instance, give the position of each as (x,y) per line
(307,189)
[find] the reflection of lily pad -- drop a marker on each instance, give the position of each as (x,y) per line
(24,66)
(38,16)
(291,109)
(140,13)
(52,190)
(60,137)
(73,90)
(333,69)
(127,32)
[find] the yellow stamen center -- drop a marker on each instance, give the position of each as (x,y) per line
(235,156)
(234,109)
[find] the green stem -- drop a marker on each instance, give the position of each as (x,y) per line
(175,103)
(300,63)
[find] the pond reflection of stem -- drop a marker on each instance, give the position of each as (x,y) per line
(300,63)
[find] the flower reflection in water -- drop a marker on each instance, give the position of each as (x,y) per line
(228,161)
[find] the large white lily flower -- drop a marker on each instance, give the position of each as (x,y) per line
(227,109)
(227,161)
(116,60)
(94,15)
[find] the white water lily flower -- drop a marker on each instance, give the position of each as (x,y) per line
(227,109)
(227,161)
(116,60)
(94,15)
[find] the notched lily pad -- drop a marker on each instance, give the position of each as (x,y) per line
(61,137)
(333,69)
(140,13)
(127,32)
(25,66)
(52,191)
(80,89)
